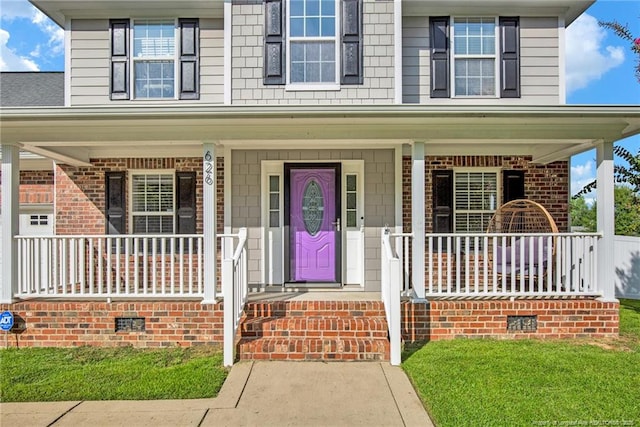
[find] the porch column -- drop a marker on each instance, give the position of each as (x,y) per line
(10,209)
(209,223)
(606,220)
(417,217)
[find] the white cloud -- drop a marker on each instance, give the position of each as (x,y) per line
(12,9)
(47,44)
(586,58)
(10,60)
(53,31)
(582,175)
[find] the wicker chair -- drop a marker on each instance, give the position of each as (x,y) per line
(521,256)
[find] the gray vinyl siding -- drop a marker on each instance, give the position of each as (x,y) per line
(90,57)
(539,52)
(379,199)
(247,62)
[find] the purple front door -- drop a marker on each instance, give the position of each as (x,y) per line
(314,228)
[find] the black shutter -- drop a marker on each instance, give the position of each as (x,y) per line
(119,70)
(442,201)
(512,185)
(510,57)
(352,59)
(189,59)
(186,202)
(274,42)
(114,202)
(439,39)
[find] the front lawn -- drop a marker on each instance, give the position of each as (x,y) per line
(89,373)
(530,382)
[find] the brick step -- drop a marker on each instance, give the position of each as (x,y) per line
(271,348)
(314,308)
(345,327)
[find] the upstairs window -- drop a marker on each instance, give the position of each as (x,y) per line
(474,56)
(154,59)
(313,44)
(154,51)
(312,41)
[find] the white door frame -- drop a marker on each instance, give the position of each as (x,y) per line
(272,221)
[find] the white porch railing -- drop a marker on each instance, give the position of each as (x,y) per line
(234,290)
(391,278)
(492,265)
(140,266)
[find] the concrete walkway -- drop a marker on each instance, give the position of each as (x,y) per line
(255,393)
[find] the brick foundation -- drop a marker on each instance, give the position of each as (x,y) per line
(440,319)
(187,323)
(70,324)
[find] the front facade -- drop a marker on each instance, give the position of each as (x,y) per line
(308,127)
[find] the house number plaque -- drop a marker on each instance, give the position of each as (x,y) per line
(208,168)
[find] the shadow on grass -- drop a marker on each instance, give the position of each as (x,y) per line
(411,348)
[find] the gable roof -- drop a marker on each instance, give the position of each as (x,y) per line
(31,89)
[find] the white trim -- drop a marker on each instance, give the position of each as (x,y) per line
(228,43)
(353,167)
(562,72)
(495,57)
(397,50)
(228,194)
(67,62)
(302,87)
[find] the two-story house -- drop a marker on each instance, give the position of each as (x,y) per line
(317,156)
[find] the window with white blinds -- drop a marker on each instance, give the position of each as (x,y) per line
(154,51)
(475,200)
(152,202)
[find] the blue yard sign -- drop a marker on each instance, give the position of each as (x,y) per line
(6,321)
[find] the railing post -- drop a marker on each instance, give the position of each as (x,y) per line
(209,223)
(417,218)
(229,304)
(394,321)
(9,246)
(606,221)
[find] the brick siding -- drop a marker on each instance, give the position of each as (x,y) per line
(80,191)
(70,324)
(441,319)
(36,187)
(545,184)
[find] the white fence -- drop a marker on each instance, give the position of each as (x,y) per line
(110,266)
(627,264)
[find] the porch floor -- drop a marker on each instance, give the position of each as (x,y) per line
(314,295)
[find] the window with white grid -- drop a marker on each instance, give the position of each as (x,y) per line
(154,58)
(152,202)
(474,56)
(475,200)
(312,41)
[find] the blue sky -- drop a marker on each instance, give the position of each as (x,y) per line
(599,64)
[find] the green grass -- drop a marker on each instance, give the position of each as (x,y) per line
(89,373)
(531,382)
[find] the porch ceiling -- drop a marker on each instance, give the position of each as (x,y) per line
(545,133)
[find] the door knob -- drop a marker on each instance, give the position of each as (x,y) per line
(337,224)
